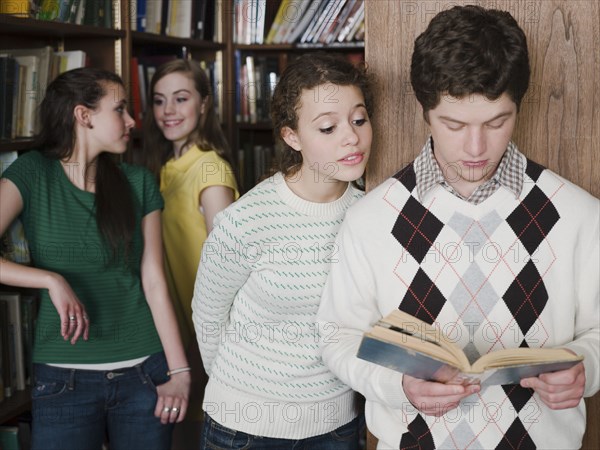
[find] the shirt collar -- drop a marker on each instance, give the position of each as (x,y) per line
(510,174)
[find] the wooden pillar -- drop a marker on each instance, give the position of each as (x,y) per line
(559,122)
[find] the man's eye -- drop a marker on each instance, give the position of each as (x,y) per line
(495,125)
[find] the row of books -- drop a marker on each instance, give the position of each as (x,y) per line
(255,162)
(256,78)
(310,22)
(13,245)
(24,75)
(18,312)
(143,69)
(190,19)
(98,13)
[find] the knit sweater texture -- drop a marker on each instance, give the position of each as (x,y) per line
(258,289)
(508,272)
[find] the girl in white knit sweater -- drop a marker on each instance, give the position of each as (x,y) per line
(264,266)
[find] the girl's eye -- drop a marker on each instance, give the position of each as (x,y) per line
(120,109)
(157,102)
(359,122)
(327,130)
(181,99)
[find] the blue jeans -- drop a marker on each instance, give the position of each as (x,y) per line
(75,409)
(217,437)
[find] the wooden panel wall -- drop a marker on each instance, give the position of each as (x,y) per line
(559,122)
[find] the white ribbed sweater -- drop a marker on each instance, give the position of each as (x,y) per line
(256,297)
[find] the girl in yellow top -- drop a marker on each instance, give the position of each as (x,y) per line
(184,145)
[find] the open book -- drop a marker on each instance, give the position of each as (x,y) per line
(404,343)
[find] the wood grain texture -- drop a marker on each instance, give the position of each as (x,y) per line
(559,121)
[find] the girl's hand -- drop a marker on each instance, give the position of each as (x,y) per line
(173,398)
(74,321)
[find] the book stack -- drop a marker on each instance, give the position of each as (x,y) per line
(256,78)
(17,322)
(24,76)
(318,23)
(189,19)
(13,245)
(98,13)
(255,162)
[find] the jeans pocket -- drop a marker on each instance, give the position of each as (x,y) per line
(48,389)
(219,437)
(155,374)
(346,433)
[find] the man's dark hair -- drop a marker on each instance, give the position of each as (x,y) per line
(470,50)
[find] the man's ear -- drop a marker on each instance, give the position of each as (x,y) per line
(291,138)
(82,116)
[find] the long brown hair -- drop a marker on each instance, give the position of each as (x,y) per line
(114,203)
(208,134)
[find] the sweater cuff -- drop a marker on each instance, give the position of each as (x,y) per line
(390,384)
(592,378)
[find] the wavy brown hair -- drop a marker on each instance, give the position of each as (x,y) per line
(307,72)
(470,50)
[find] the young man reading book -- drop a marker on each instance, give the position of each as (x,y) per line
(478,240)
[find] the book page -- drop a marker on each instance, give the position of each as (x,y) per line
(427,333)
(519,356)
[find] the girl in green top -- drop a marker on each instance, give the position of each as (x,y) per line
(108,357)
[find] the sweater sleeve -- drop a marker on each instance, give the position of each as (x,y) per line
(349,308)
(587,298)
(222,271)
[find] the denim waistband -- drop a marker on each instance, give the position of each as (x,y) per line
(71,375)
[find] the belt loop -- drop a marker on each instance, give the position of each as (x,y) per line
(141,374)
(71,384)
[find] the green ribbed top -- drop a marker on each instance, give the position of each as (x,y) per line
(60,226)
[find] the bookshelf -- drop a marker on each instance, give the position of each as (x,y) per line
(266,35)
(114,47)
(108,47)
(100,44)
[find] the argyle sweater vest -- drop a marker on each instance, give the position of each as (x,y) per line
(486,276)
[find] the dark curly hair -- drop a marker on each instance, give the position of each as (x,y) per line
(470,50)
(307,72)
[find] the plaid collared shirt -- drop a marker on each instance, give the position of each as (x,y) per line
(510,174)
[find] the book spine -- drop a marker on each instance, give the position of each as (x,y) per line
(15,339)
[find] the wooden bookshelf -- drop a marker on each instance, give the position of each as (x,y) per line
(15,405)
(245,131)
(22,27)
(113,48)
